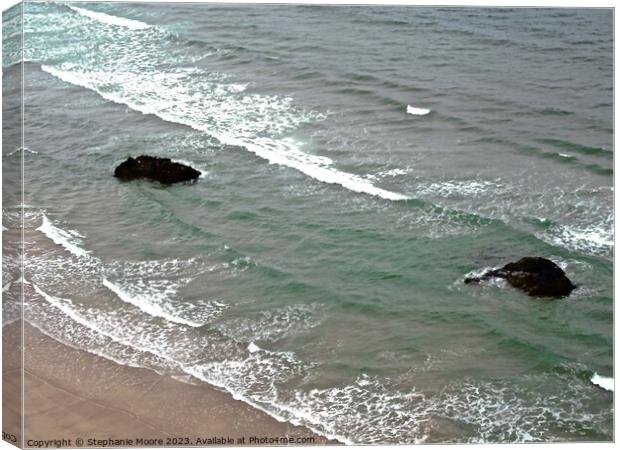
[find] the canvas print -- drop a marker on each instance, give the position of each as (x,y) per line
(254,224)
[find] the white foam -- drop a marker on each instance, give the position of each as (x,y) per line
(203,172)
(253,348)
(151,286)
(137,361)
(62,237)
(254,381)
(22,149)
(109,19)
(366,411)
(417,111)
(11,303)
(62,304)
(146,304)
(504,411)
(461,188)
(305,164)
(165,342)
(495,282)
(394,172)
(273,324)
(606,383)
(215,108)
(597,236)
(74,329)
(593,238)
(388,173)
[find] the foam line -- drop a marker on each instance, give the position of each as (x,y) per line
(145,305)
(61,237)
(276,151)
(109,19)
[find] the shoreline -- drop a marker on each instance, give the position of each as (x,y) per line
(72,394)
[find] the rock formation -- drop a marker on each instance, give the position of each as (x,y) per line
(154,168)
(538,277)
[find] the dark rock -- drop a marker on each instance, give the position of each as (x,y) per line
(159,169)
(537,276)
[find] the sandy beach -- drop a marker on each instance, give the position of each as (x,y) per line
(71,395)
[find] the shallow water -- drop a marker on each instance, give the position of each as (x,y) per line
(357,163)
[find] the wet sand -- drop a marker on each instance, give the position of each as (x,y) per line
(71,394)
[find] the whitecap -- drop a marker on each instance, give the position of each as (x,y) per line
(417,111)
(148,304)
(22,149)
(606,383)
(253,348)
(590,238)
(109,19)
(461,188)
(62,237)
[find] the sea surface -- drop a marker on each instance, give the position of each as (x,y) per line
(357,163)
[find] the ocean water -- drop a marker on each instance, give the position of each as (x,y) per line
(357,163)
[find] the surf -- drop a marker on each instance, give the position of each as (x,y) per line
(152,301)
(146,304)
(110,19)
(63,238)
(284,152)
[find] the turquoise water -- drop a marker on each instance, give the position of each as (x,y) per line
(315,269)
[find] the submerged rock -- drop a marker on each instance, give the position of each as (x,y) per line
(163,170)
(538,277)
